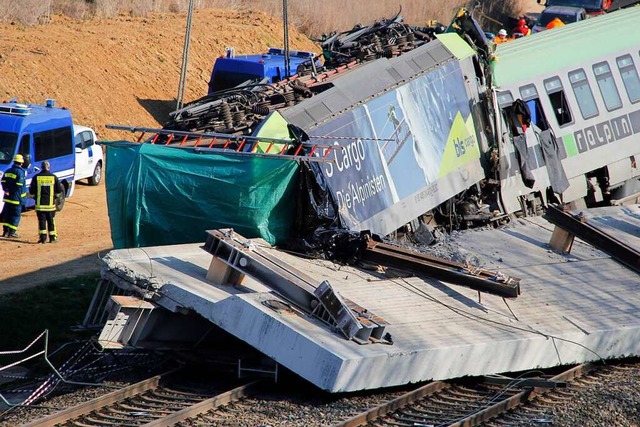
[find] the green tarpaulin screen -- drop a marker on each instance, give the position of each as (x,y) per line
(159,195)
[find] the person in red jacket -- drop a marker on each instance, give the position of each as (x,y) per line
(521,28)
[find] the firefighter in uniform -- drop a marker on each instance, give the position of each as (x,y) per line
(46,188)
(15,190)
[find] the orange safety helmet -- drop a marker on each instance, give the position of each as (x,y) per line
(555,22)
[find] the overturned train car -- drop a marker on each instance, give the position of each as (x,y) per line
(400,135)
(412,132)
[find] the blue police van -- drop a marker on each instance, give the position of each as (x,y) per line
(229,71)
(39,132)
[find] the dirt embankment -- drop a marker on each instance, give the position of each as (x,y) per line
(126,70)
(122,71)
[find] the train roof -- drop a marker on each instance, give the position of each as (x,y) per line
(565,47)
(374,78)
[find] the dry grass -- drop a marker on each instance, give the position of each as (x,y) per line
(312,17)
(27,12)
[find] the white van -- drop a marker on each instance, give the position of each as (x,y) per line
(89,157)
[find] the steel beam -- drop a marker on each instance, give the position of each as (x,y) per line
(294,286)
(243,256)
(578,226)
(441,269)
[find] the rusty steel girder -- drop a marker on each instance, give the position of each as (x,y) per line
(577,226)
(441,269)
(294,286)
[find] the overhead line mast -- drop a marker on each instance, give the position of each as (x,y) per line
(285,19)
(185,58)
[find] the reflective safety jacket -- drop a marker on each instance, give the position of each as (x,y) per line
(14,185)
(45,187)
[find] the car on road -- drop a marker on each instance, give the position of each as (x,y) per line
(566,14)
(89,156)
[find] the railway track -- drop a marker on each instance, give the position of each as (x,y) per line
(584,391)
(162,400)
(492,401)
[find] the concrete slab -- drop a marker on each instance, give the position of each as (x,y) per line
(574,308)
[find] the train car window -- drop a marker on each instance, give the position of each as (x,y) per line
(629,77)
(25,149)
(584,96)
(505,102)
(529,94)
(558,99)
(478,69)
(504,98)
(607,86)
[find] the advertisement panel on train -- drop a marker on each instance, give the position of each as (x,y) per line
(417,147)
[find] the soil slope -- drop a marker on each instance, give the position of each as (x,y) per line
(123,71)
(126,70)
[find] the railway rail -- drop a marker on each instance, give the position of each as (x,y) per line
(492,401)
(157,401)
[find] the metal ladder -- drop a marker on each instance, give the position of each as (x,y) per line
(234,144)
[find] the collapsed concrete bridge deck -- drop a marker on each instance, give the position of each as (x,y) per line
(574,307)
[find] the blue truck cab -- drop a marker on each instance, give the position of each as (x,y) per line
(230,70)
(38,132)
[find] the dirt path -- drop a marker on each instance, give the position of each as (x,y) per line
(83,226)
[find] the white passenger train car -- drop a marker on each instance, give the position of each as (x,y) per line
(581,85)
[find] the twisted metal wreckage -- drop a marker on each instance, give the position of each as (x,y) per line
(241,109)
